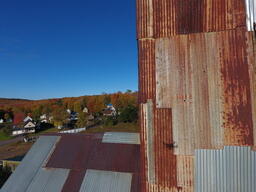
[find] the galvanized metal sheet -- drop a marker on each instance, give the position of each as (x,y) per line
(149,140)
(105,181)
(251,14)
(230,170)
(121,137)
(20,180)
(48,180)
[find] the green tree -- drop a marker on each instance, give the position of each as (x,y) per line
(60,117)
(82,120)
(7,116)
(7,129)
(78,107)
(5,173)
(128,114)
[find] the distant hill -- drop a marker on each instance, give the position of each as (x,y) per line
(15,102)
(7,101)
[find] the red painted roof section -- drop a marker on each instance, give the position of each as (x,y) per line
(18,118)
(80,152)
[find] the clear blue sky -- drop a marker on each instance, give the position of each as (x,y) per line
(60,48)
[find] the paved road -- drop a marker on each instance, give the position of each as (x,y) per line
(11,141)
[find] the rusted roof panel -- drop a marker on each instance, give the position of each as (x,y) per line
(171,17)
(52,166)
(105,181)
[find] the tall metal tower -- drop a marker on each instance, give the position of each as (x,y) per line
(197,93)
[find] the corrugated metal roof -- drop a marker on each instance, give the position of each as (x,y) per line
(61,166)
(48,180)
(106,181)
(121,138)
(20,180)
(230,170)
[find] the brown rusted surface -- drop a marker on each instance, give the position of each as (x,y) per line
(171,17)
(147,79)
(204,78)
(74,181)
(197,66)
(81,152)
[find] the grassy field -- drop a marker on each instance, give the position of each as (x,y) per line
(14,149)
(3,136)
(120,127)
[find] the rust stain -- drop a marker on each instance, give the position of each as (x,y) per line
(172,17)
(212,66)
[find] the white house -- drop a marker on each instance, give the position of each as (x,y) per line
(29,127)
(1,120)
(85,110)
(29,124)
(27,119)
(43,118)
(109,111)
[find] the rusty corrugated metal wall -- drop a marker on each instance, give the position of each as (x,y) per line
(197,84)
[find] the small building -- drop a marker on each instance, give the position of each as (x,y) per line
(85,110)
(12,162)
(28,118)
(44,118)
(109,111)
(28,127)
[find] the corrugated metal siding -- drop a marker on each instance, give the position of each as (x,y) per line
(230,170)
(251,14)
(121,138)
(252,73)
(105,181)
(48,180)
(201,85)
(149,140)
(147,70)
(208,93)
(20,180)
(171,17)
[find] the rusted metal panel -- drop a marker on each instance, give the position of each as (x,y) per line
(252,73)
(166,164)
(172,17)
(185,171)
(251,14)
(146,70)
(202,85)
(201,106)
(74,181)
